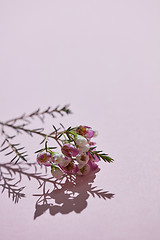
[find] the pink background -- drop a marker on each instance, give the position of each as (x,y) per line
(103,58)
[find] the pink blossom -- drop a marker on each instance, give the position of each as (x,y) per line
(92,144)
(84,170)
(92,165)
(69,150)
(82,159)
(65,161)
(44,159)
(85,131)
(71,168)
(89,133)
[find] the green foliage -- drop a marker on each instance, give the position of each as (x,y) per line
(100,155)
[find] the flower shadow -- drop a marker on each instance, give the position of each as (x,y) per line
(69,194)
(65,195)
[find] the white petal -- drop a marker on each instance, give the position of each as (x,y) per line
(81,141)
(57,173)
(84,149)
(58,157)
(82,159)
(86,169)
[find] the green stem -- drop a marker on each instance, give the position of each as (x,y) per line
(29,131)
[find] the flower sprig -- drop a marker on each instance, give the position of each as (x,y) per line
(78,152)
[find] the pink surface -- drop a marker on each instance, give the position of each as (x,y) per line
(103,58)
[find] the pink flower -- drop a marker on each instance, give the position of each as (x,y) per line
(69,150)
(65,161)
(85,131)
(82,159)
(84,170)
(92,144)
(71,168)
(92,165)
(89,133)
(44,159)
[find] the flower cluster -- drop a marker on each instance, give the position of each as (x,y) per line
(78,152)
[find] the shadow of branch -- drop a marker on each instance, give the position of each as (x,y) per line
(65,195)
(11,176)
(69,195)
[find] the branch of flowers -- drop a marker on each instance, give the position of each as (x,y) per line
(71,134)
(78,153)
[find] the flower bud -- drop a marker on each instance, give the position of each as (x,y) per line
(89,133)
(57,157)
(84,149)
(65,161)
(44,159)
(71,168)
(56,172)
(69,150)
(84,170)
(82,159)
(81,141)
(92,165)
